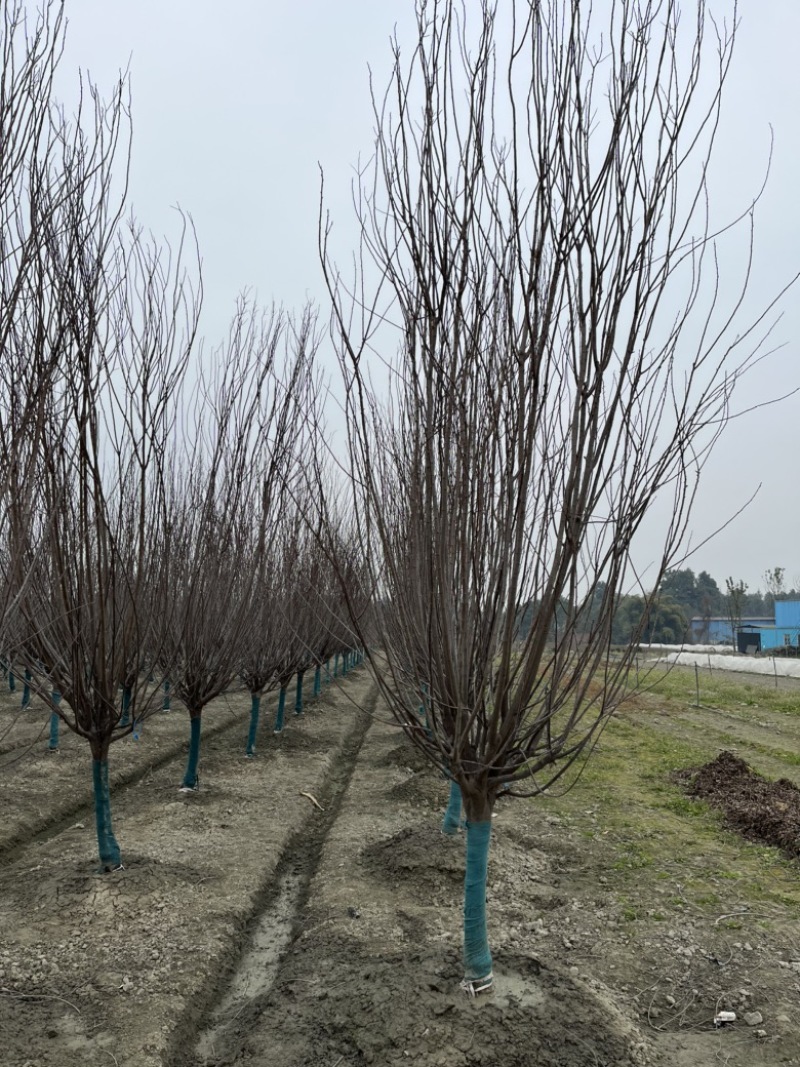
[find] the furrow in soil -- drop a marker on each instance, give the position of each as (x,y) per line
(276,919)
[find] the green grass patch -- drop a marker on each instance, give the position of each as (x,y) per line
(719,690)
(642,829)
(683,805)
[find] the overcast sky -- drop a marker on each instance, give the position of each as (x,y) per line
(236,106)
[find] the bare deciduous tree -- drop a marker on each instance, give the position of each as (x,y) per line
(270,642)
(734,606)
(288,634)
(535,227)
(234,449)
(88,555)
(34,141)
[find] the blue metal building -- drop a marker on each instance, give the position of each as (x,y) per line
(783,632)
(717,629)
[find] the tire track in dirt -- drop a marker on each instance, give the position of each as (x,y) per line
(231,1004)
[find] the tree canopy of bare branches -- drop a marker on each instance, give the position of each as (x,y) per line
(87,556)
(230,464)
(92,343)
(536,248)
(41,175)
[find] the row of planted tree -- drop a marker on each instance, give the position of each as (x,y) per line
(134,554)
(324,673)
(156,506)
(337,667)
(153,489)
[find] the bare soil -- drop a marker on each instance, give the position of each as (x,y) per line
(303,908)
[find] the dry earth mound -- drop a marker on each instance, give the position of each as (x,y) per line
(760,810)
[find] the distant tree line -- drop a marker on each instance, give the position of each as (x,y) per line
(665,619)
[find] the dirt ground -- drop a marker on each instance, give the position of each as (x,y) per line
(304,909)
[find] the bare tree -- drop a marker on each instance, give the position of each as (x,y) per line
(35,144)
(292,626)
(231,453)
(535,227)
(271,641)
(264,643)
(734,606)
(88,556)
(774,585)
(332,634)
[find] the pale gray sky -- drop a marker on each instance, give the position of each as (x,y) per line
(235,106)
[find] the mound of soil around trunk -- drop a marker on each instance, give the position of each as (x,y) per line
(760,810)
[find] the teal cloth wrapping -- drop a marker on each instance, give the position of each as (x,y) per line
(125,719)
(477,958)
(190,778)
(106,842)
(452,817)
(281,710)
(55,721)
(255,708)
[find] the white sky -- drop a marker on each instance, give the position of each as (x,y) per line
(235,106)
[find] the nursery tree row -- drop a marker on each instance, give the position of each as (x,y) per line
(149,485)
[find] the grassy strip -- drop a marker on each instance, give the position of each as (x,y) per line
(652,835)
(718,689)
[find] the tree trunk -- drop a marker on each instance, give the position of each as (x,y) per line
(255,708)
(191,781)
(55,722)
(423,711)
(106,842)
(477,957)
(281,709)
(125,720)
(478,805)
(298,703)
(452,817)
(317,680)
